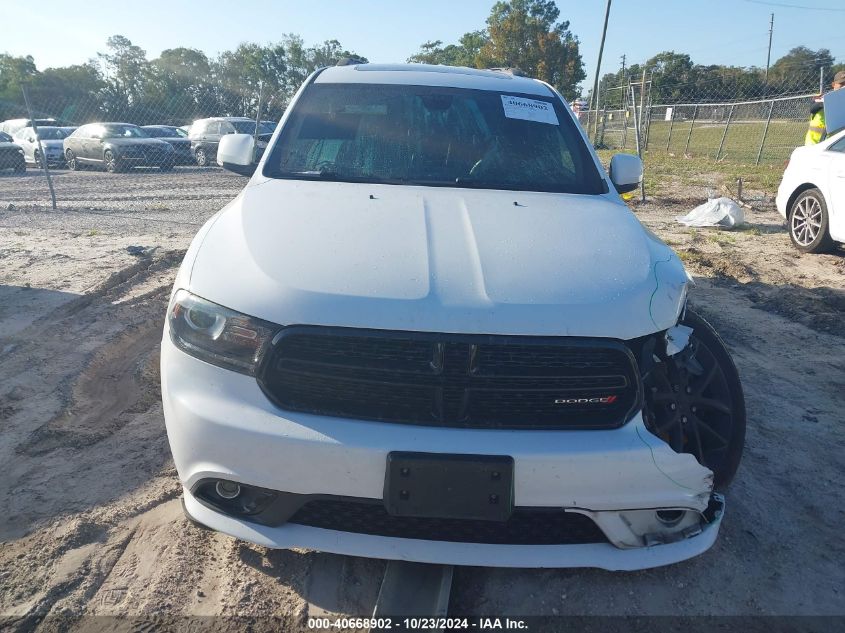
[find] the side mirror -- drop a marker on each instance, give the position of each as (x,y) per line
(626,172)
(236,152)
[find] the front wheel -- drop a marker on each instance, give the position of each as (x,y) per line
(20,167)
(202,158)
(111,162)
(694,401)
(70,159)
(808,223)
(36,158)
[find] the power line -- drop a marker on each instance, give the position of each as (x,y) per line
(796,6)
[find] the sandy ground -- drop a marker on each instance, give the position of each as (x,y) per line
(92,523)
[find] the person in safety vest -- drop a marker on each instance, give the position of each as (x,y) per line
(817,131)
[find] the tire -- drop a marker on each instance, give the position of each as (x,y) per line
(694,402)
(808,222)
(202,157)
(36,158)
(111,162)
(20,167)
(70,159)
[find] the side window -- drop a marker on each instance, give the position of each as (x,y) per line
(838,146)
(213,128)
(227,128)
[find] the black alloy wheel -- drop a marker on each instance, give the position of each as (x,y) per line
(70,159)
(694,401)
(111,162)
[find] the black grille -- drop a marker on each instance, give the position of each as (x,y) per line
(526,526)
(453,380)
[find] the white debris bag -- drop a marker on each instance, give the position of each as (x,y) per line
(722,212)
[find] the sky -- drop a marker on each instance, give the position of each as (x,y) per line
(713,31)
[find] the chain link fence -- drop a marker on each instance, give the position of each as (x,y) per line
(740,118)
(765,130)
(144,181)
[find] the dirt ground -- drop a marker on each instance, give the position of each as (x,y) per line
(91,521)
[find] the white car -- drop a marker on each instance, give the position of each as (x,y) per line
(428,329)
(811,196)
(52,139)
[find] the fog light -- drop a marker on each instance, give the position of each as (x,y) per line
(669,518)
(227,489)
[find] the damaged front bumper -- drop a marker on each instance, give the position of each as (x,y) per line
(606,556)
(654,506)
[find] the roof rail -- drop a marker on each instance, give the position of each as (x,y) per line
(516,72)
(350,61)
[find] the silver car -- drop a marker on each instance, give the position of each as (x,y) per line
(51,144)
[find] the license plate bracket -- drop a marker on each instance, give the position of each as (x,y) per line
(447,486)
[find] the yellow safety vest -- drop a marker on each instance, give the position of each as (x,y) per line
(817,129)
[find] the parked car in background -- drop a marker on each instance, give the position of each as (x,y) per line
(52,143)
(811,196)
(205,135)
(116,147)
(177,138)
(10,126)
(11,154)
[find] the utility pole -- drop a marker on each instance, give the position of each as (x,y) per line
(44,164)
(642,101)
(623,96)
(769,54)
(594,98)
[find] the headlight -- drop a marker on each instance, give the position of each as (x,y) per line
(218,335)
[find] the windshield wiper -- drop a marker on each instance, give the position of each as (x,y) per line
(324,174)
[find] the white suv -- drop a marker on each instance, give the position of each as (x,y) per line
(429,329)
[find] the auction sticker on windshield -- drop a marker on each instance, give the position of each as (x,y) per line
(529,110)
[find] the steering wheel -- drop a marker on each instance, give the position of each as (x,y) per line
(325,165)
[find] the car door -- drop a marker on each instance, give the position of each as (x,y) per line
(74,141)
(92,144)
(22,137)
(213,135)
(835,196)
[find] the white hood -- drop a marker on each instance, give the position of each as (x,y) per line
(438,259)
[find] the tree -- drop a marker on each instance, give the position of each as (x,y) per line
(242,72)
(71,93)
(525,34)
(798,70)
(124,71)
(465,53)
(179,83)
(14,71)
